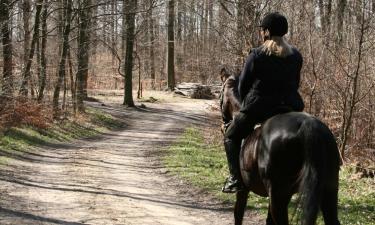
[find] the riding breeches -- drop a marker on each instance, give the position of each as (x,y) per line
(241,126)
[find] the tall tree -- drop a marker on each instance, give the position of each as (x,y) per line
(113,25)
(352,97)
(64,51)
(83,51)
(27,72)
(210,22)
(325,9)
(170,59)
(151,35)
(43,58)
(7,82)
(26,16)
(129,12)
(341,5)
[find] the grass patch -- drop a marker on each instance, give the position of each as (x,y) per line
(356,198)
(204,165)
(22,139)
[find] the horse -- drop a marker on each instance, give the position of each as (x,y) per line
(291,152)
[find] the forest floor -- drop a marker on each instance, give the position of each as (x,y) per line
(115,178)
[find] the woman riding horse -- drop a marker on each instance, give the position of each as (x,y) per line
(292,151)
(269,81)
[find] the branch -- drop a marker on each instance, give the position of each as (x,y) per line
(225,8)
(114,52)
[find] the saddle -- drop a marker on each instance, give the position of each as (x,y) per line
(249,145)
(249,148)
(249,162)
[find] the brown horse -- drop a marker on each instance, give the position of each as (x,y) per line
(291,152)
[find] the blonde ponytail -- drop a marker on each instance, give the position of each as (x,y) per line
(277,46)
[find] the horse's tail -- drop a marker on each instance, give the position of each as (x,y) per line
(320,146)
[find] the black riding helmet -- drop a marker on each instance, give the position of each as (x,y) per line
(276,24)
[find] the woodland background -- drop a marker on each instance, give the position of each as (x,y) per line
(53,51)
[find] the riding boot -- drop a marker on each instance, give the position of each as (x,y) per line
(234,182)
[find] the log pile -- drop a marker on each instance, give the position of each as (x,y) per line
(194,90)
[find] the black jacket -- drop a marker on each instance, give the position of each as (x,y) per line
(268,82)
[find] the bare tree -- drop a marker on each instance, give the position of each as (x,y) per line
(151,35)
(340,18)
(43,58)
(129,15)
(83,51)
(7,82)
(353,85)
(170,61)
(64,52)
(27,72)
(26,17)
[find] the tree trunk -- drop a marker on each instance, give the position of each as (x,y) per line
(43,59)
(83,52)
(340,19)
(180,14)
(325,8)
(7,83)
(27,72)
(113,27)
(152,44)
(170,60)
(26,15)
(64,51)
(73,83)
(123,32)
(129,15)
(354,92)
(322,15)
(211,24)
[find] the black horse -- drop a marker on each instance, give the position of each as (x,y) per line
(291,152)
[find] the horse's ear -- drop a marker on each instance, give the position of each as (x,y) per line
(222,78)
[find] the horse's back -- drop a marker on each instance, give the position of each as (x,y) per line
(286,129)
(282,147)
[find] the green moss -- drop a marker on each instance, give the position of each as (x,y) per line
(205,166)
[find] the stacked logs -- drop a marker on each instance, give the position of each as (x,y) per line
(194,90)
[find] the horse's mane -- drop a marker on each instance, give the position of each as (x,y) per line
(232,87)
(230,102)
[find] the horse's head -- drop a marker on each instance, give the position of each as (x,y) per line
(224,74)
(229,100)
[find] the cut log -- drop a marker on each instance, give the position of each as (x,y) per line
(194,90)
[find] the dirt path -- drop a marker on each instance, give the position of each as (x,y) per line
(113,179)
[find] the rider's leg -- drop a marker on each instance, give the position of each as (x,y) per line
(240,128)
(233,182)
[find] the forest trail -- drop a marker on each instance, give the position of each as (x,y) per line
(113,179)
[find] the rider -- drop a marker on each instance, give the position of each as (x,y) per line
(269,81)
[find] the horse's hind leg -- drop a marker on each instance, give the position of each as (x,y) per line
(239,209)
(278,207)
(329,207)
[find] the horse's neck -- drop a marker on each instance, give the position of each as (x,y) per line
(232,86)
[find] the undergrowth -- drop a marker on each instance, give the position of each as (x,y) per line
(17,140)
(203,164)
